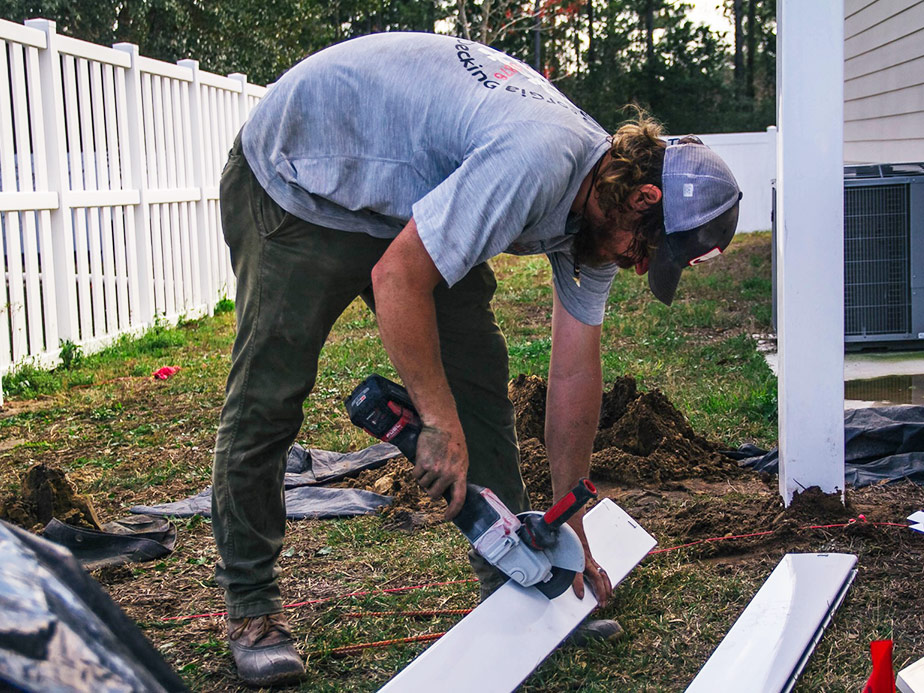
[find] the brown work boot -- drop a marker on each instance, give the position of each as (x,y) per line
(264,651)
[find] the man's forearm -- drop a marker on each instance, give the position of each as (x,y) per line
(403,282)
(573,400)
(572,414)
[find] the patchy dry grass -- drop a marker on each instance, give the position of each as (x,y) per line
(126,439)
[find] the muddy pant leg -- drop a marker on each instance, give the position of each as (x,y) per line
(474,354)
(294,279)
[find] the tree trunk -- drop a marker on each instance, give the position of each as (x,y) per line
(590,36)
(751,48)
(737,10)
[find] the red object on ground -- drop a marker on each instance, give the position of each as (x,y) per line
(882,680)
(165,372)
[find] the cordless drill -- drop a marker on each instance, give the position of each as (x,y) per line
(532,548)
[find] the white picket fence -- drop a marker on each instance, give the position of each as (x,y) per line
(109,171)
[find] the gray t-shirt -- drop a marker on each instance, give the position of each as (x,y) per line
(484,153)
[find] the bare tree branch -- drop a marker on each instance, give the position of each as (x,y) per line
(463,20)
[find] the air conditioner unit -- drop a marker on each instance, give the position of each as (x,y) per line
(884,254)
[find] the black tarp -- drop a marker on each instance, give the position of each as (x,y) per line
(59,631)
(880,444)
(304,502)
(132,539)
(306,498)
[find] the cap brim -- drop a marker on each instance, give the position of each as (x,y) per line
(663,276)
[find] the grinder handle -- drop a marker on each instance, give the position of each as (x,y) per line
(559,513)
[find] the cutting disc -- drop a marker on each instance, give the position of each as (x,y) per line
(566,557)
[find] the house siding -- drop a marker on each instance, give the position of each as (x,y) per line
(883,80)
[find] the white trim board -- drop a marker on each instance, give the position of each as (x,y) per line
(911,678)
(502,641)
(770,643)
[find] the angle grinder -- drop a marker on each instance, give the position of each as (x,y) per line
(534,549)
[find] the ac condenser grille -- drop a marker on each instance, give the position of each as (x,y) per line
(877,282)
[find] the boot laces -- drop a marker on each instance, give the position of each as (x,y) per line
(262,627)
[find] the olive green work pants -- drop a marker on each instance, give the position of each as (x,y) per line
(294,279)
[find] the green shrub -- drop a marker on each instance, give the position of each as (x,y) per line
(224,305)
(71,355)
(27,381)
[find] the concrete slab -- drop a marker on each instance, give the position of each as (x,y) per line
(876,379)
(864,366)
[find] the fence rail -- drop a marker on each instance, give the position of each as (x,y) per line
(109,170)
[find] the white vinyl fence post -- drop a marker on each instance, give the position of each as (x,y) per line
(206,272)
(137,170)
(810,244)
(58,257)
(242,97)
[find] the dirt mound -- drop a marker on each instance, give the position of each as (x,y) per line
(534,466)
(527,392)
(410,507)
(615,402)
(643,440)
(650,442)
(813,504)
(46,492)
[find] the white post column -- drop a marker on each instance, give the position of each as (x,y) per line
(137,177)
(205,281)
(810,244)
(242,110)
(58,259)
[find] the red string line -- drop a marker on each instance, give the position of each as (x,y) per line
(350,649)
(410,614)
(854,520)
(321,600)
(393,590)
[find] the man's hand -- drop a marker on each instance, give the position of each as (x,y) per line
(441,465)
(596,575)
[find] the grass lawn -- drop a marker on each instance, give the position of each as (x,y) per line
(126,439)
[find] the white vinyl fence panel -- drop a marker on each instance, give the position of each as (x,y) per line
(752,158)
(109,171)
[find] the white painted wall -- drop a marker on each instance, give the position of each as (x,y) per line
(883,80)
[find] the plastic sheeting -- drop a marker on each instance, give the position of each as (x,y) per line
(881,444)
(313,466)
(305,498)
(60,632)
(304,502)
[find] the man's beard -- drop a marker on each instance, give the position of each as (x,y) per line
(589,247)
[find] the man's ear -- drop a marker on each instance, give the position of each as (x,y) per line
(644,197)
(651,194)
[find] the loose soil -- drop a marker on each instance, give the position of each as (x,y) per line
(647,458)
(46,492)
(642,440)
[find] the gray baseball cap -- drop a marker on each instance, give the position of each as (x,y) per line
(700,201)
